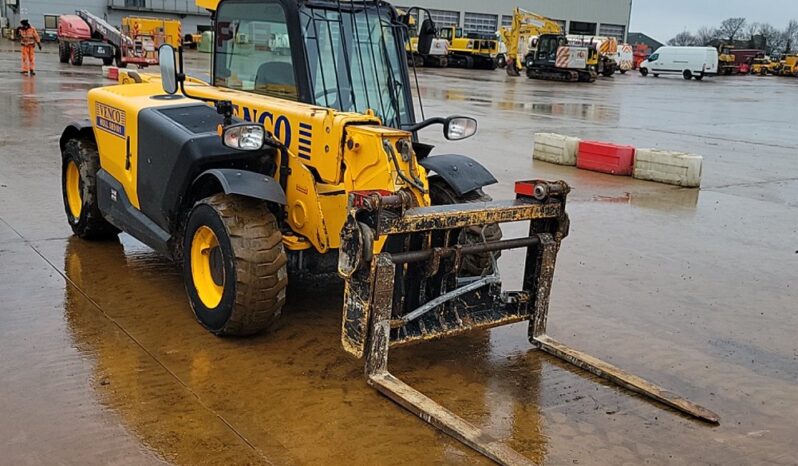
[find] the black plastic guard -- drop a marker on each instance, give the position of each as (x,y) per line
(462,173)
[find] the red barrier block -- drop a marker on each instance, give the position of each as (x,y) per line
(605,157)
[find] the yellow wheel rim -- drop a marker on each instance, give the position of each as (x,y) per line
(73,189)
(207,267)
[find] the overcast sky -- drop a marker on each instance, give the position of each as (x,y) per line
(663,19)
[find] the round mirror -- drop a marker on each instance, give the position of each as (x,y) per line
(459,127)
(166,60)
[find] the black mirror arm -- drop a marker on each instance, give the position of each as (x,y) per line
(423,124)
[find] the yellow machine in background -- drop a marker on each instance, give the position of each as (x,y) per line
(760,65)
(789,66)
(607,48)
(537,44)
(726,59)
(438,54)
(163,31)
(470,50)
(517,37)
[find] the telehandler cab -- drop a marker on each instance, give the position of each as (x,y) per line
(302,157)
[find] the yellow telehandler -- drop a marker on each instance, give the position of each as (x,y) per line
(302,157)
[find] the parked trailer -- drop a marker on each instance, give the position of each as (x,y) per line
(690,62)
(743,58)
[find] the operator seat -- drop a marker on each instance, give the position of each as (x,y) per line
(279,74)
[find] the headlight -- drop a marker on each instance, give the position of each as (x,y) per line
(244,136)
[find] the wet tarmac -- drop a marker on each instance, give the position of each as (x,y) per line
(101,361)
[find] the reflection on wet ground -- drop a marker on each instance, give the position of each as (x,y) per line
(103,363)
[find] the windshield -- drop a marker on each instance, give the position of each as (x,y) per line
(355,61)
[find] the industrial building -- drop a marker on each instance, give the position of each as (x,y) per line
(112,10)
(589,17)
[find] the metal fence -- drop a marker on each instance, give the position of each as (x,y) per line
(158,6)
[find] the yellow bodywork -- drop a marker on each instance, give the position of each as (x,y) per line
(331,153)
(466,45)
(789,66)
(208,4)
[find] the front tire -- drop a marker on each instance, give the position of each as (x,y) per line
(80,162)
(644,72)
(76,55)
(474,264)
(234,265)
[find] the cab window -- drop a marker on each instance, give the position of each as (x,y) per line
(654,57)
(252,49)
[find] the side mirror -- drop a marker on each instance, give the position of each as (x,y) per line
(459,127)
(166,60)
(425,36)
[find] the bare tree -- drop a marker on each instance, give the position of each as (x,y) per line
(684,38)
(751,30)
(705,35)
(731,28)
(790,36)
(774,39)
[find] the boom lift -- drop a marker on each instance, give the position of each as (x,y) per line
(303,157)
(87,35)
(537,43)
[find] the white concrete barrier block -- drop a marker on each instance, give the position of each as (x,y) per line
(678,168)
(555,148)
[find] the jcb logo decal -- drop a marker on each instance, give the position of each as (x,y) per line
(110,119)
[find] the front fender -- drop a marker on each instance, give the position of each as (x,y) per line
(462,173)
(245,183)
(76,129)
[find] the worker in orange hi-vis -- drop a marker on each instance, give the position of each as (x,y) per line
(28,38)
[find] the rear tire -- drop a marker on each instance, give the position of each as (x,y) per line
(687,75)
(234,265)
(108,61)
(80,162)
(442,194)
(75,55)
(63,52)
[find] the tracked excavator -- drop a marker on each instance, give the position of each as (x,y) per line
(302,156)
(537,44)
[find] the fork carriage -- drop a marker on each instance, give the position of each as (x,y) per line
(413,290)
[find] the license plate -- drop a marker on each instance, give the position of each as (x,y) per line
(100,49)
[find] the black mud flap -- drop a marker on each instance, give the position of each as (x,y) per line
(462,173)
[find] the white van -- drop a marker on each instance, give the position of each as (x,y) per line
(690,62)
